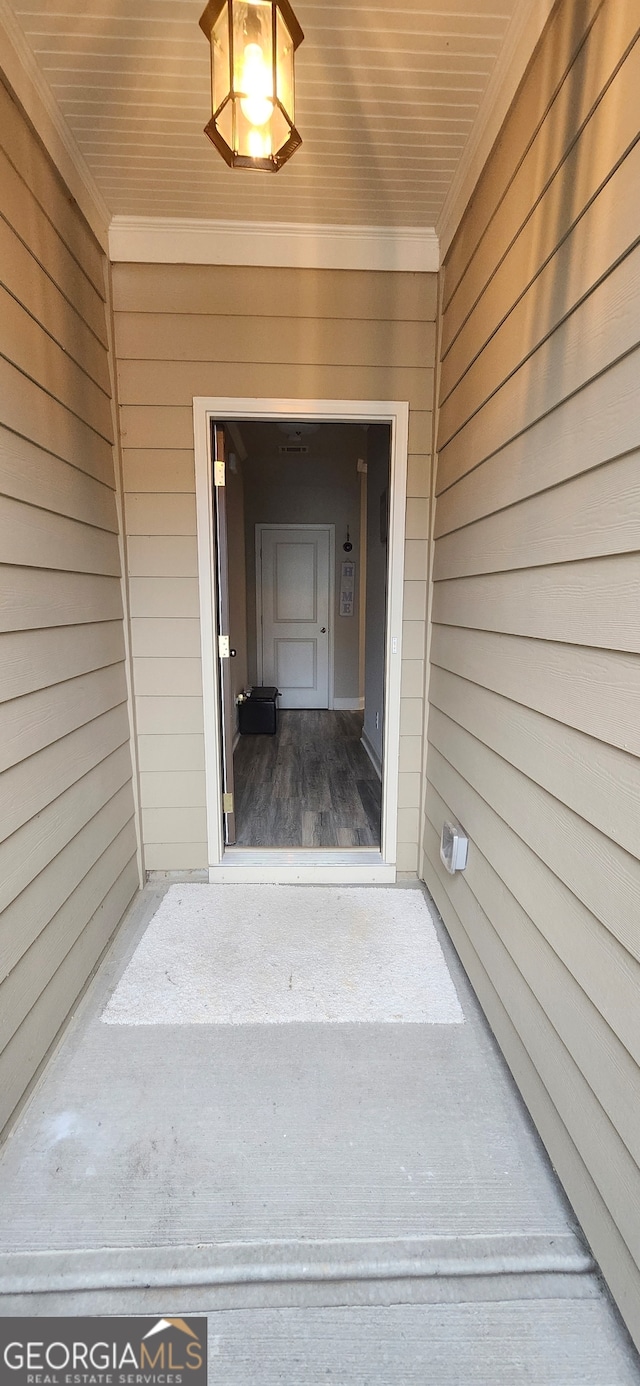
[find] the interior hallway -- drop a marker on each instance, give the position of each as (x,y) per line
(310,785)
(346,1202)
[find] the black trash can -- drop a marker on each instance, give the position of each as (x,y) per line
(259,713)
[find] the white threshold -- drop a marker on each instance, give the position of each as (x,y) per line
(302,866)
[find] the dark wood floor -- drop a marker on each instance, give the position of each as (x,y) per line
(310,785)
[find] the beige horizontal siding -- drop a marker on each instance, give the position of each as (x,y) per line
(36,844)
(584,431)
(522,1028)
(535,656)
(175,856)
(600,782)
(183,331)
(176,382)
(22,988)
(550,130)
(50,888)
(36,538)
(31,600)
(611,1072)
(165,556)
(47,304)
(58,209)
(601,330)
(29,471)
(165,638)
(160,514)
(57,766)
(41,358)
(161,716)
(359,296)
(596,514)
(309,341)
(602,875)
(602,967)
(170,753)
(600,217)
(46,1017)
(27,409)
(179,678)
(159,470)
(28,723)
(594,690)
(67,840)
(548,73)
(29,221)
(33,659)
(587,603)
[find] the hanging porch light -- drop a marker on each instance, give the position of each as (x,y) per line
(252,81)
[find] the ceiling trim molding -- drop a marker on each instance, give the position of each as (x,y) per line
(29,85)
(190,241)
(521,39)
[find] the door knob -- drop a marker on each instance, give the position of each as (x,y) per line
(324,630)
(233,653)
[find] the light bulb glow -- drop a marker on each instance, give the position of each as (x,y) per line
(257,84)
(259,144)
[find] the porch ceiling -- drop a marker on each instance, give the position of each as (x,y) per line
(387,97)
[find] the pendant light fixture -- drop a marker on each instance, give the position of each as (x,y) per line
(252,81)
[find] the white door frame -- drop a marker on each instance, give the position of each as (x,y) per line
(303,865)
(332,597)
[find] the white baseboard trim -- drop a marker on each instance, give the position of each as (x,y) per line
(372,754)
(236,740)
(348,704)
(196,241)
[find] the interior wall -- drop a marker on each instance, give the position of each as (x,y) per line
(378,445)
(535,676)
(186,330)
(67,840)
(237,572)
(322,487)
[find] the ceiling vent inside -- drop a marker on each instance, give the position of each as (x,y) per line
(293,449)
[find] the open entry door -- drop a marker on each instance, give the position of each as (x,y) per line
(225,653)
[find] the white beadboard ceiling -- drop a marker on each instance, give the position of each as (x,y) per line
(386,99)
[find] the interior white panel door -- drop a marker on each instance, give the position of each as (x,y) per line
(294,569)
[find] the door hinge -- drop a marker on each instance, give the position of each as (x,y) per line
(227,803)
(219,472)
(223,646)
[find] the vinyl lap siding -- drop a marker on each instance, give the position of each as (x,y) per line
(535,657)
(67,839)
(194,330)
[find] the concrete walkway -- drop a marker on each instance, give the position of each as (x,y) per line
(353,1203)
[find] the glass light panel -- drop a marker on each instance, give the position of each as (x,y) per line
(280,130)
(220,65)
(253,61)
(284,51)
(252,141)
(225,123)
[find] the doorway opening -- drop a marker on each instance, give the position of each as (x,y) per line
(301,537)
(303,520)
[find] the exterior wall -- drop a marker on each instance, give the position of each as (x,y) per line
(186,330)
(67,840)
(535,654)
